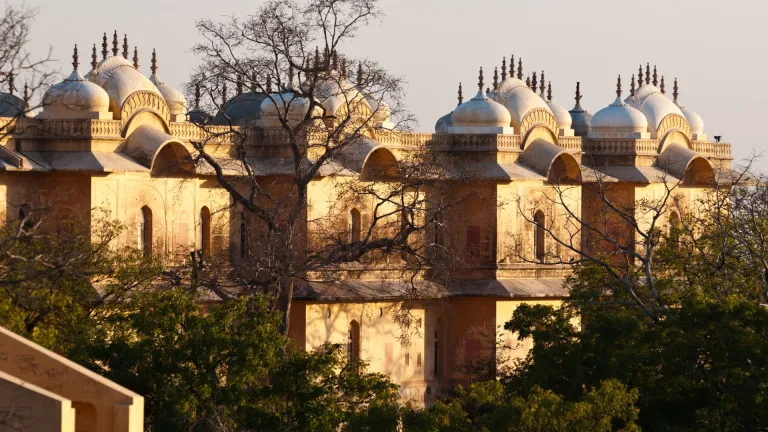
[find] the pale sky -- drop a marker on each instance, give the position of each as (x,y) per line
(716,49)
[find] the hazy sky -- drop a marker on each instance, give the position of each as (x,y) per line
(716,49)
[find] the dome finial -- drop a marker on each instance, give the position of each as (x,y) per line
(335,61)
(136,58)
(317,63)
(647,73)
(534,82)
(495,79)
(239,84)
(618,87)
(115,49)
(75,59)
(26,96)
(632,86)
(125,46)
(360,74)
(343,67)
(11,87)
(549,91)
(197,95)
(640,76)
(461,95)
(520,68)
(675,93)
(480,80)
(578,93)
(542,87)
(662,88)
(290,78)
(269,84)
(655,76)
(104,46)
(224,93)
(153,67)
(94,58)
(503,68)
(528,81)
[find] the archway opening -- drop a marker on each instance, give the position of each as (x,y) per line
(145,231)
(380,165)
(539,221)
(353,341)
(355,225)
(205,230)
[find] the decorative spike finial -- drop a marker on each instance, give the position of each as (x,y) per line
(197,95)
(26,95)
(662,87)
(11,87)
(344,67)
(640,76)
(136,58)
(335,61)
(153,68)
(290,78)
(534,82)
(578,92)
(528,81)
(542,87)
(503,68)
(360,74)
(655,76)
(487,90)
(632,86)
(239,84)
(125,46)
(618,87)
(549,91)
(104,46)
(115,49)
(326,57)
(520,68)
(461,95)
(675,92)
(94,58)
(224,93)
(75,59)
(647,73)
(480,80)
(495,79)
(269,84)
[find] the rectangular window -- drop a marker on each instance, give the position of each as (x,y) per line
(418,359)
(473,240)
(407,359)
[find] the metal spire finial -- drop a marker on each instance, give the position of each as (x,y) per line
(461,95)
(655,76)
(675,93)
(520,68)
(326,57)
(335,61)
(662,88)
(344,67)
(549,91)
(480,80)
(618,87)
(495,79)
(542,87)
(534,82)
(11,87)
(136,58)
(360,74)
(94,58)
(640,76)
(578,92)
(115,49)
(104,46)
(239,84)
(632,86)
(197,95)
(269,84)
(125,46)
(290,78)
(503,68)
(26,95)
(153,68)
(75,59)
(224,93)
(647,73)
(528,81)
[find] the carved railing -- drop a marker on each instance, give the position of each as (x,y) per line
(620,147)
(712,148)
(570,143)
(186,131)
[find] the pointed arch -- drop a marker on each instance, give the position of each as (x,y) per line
(205,230)
(145,231)
(353,341)
(540,235)
(355,225)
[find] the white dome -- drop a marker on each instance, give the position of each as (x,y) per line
(380,109)
(444,123)
(481,111)
(562,115)
(120,79)
(518,99)
(694,120)
(177,103)
(337,92)
(619,117)
(75,98)
(654,104)
(289,106)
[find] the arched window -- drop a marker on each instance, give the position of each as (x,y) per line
(438,355)
(353,342)
(205,230)
(354,225)
(674,228)
(243,235)
(539,220)
(145,231)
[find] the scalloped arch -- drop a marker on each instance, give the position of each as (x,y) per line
(538,117)
(143,101)
(672,123)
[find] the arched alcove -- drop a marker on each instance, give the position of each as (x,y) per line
(205,230)
(172,160)
(564,169)
(145,231)
(381,164)
(540,235)
(355,225)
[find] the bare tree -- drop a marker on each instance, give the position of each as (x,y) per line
(315,122)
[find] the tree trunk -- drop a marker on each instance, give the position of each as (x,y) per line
(284,300)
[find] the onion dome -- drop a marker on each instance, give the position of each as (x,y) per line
(619,120)
(337,92)
(381,113)
(652,102)
(481,112)
(444,123)
(10,104)
(562,115)
(75,98)
(177,103)
(518,98)
(694,119)
(581,120)
(286,105)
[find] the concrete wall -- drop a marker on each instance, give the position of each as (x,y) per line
(27,407)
